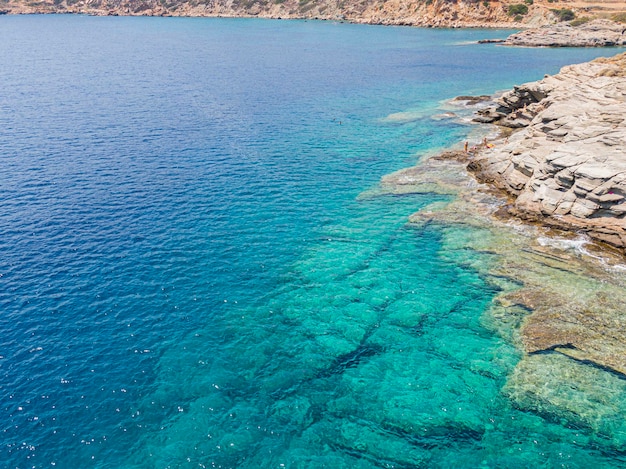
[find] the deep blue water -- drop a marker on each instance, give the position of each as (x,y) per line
(189,278)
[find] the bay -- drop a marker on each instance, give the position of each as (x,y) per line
(193,274)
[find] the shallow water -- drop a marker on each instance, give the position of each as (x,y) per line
(198,268)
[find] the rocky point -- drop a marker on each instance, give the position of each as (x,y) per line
(566,166)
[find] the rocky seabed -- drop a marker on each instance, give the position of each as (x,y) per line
(561,297)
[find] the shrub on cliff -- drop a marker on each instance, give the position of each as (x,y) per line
(517,9)
(619,17)
(579,21)
(564,14)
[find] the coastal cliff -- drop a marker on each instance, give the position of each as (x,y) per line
(566,167)
(428,13)
(437,13)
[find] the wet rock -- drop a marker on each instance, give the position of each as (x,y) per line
(486,118)
(491,41)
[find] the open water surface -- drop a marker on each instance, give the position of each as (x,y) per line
(190,275)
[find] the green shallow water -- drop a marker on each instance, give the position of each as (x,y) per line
(378,351)
(362,357)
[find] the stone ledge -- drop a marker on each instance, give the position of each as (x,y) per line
(566,165)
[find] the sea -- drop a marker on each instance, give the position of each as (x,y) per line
(197,269)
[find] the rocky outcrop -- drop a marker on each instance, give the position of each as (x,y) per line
(561,296)
(567,166)
(596,33)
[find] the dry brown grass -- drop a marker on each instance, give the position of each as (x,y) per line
(617,65)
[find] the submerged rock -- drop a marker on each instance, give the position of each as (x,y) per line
(576,394)
(491,41)
(472,100)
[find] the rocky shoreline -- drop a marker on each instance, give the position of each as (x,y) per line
(561,163)
(565,166)
(436,13)
(430,14)
(596,33)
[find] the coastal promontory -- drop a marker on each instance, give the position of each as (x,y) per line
(565,166)
(596,33)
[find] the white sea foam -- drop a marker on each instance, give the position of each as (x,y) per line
(579,246)
(519,227)
(563,244)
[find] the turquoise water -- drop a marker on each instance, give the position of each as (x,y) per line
(194,271)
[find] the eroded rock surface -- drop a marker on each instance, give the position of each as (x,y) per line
(566,392)
(567,166)
(596,33)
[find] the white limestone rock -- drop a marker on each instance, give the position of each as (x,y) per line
(568,165)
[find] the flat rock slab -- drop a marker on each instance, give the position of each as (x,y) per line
(567,166)
(590,333)
(596,33)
